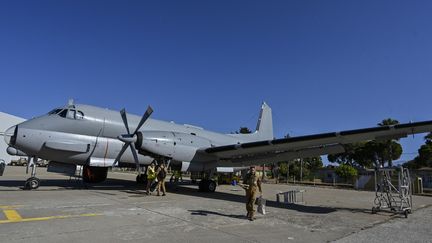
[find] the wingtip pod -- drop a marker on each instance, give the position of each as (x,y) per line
(265,122)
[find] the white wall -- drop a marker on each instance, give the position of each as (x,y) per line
(6,121)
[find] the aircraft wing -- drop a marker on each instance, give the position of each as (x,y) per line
(276,150)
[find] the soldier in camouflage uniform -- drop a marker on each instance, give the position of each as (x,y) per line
(251,184)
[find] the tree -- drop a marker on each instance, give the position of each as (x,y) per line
(294,169)
(346,172)
(283,168)
(244,130)
(424,159)
(364,154)
(350,156)
(313,163)
(387,150)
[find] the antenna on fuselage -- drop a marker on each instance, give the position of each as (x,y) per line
(71,103)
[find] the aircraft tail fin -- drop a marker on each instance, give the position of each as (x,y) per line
(264,129)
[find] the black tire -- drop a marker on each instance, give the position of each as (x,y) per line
(141,179)
(207,186)
(202,185)
(211,186)
(32,183)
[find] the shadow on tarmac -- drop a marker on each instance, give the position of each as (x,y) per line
(73,184)
(130,187)
(206,213)
(182,190)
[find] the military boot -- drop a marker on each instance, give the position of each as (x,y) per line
(252,216)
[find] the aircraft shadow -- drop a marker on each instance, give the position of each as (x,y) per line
(72,184)
(130,187)
(182,190)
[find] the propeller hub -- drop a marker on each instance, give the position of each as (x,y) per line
(127,138)
(130,138)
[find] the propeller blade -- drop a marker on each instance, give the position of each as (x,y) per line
(121,153)
(135,156)
(124,118)
(144,118)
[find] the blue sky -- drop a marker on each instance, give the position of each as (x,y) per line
(321,65)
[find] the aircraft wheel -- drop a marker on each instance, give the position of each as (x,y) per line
(141,179)
(32,183)
(211,186)
(207,186)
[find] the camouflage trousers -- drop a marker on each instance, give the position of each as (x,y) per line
(250,201)
(161,186)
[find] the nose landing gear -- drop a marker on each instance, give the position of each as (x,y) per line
(33,182)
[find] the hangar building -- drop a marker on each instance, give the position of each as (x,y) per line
(6,121)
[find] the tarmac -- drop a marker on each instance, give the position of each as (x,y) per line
(63,209)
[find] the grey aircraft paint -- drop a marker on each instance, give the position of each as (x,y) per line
(84,134)
(88,135)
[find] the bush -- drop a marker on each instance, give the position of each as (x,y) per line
(346,172)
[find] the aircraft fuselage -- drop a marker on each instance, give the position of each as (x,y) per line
(84,134)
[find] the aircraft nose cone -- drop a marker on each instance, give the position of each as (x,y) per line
(9,136)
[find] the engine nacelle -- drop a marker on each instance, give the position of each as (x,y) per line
(174,145)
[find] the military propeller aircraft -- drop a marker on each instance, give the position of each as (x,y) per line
(97,139)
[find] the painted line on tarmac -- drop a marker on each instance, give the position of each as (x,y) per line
(10,206)
(14,217)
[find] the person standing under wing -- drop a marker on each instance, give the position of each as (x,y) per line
(252,184)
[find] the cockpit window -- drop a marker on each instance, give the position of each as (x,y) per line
(79,115)
(68,113)
(63,113)
(55,111)
(71,114)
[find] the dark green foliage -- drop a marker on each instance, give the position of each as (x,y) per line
(309,165)
(424,159)
(346,172)
(244,130)
(364,154)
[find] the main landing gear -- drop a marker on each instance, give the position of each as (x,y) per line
(33,182)
(207,184)
(141,179)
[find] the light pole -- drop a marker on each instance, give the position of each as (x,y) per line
(301,170)
(287,172)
